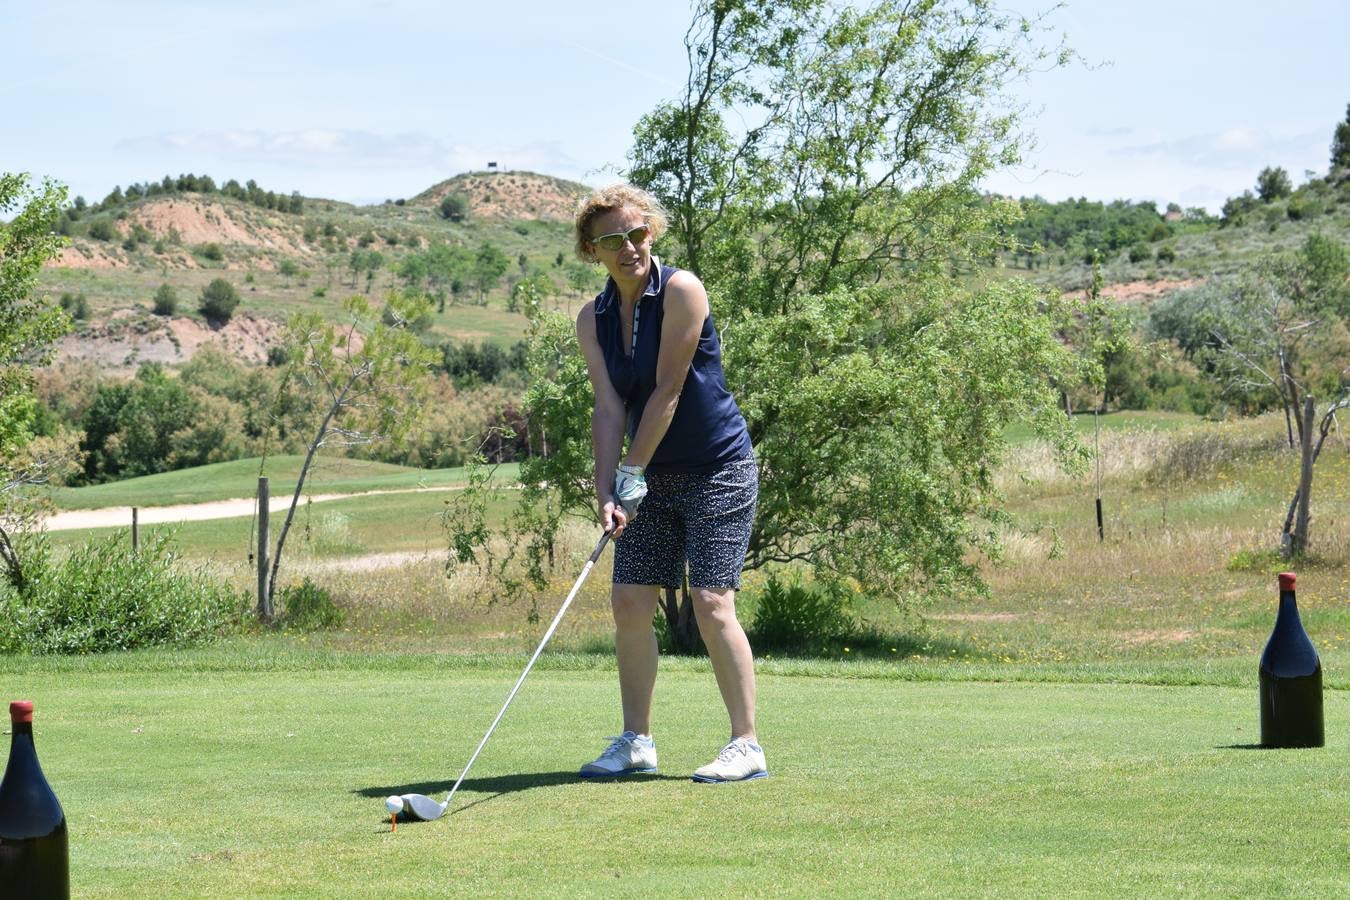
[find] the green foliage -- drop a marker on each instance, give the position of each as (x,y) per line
(308,607)
(1081,226)
(455,207)
(1166,254)
(1237,209)
(166,300)
(1155,376)
(557,409)
(794,618)
(211,251)
(1269,333)
(470,364)
(102,229)
(829,231)
(355,396)
(105,597)
(75,305)
(219,300)
(489,265)
(1269,561)
(1340,143)
(130,428)
(421,325)
(1273,184)
(1326,268)
(29,325)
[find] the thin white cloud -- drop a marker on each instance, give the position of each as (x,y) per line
(1240,146)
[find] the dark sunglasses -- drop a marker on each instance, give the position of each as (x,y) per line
(614,240)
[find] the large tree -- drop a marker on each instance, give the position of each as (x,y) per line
(822,171)
(29,326)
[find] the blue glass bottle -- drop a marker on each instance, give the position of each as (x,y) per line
(34,857)
(1291,680)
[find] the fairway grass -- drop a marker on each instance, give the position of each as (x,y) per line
(187,779)
(1084,729)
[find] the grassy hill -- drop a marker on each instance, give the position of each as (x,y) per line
(1178,251)
(521,196)
(121,253)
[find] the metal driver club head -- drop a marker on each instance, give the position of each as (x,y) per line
(420,807)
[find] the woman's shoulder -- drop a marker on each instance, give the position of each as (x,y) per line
(586,318)
(683,288)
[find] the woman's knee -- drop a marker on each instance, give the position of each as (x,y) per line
(633,605)
(714,605)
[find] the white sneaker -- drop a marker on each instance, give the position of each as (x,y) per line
(741,760)
(627,754)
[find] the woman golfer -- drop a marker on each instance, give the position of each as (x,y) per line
(655,366)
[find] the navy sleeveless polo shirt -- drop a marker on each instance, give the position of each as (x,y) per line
(708,430)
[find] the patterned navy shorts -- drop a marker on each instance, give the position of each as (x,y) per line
(704,519)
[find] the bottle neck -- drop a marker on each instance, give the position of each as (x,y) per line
(1288,603)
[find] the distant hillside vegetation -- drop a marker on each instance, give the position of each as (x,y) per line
(509,195)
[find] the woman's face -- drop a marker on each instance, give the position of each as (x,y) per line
(631,259)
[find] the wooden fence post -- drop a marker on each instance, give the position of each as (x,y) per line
(264,514)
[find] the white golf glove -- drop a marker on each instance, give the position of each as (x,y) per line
(630,486)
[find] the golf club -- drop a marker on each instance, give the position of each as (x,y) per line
(423,808)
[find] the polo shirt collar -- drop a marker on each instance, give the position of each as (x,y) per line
(610,295)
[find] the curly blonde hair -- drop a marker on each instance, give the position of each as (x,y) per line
(608,199)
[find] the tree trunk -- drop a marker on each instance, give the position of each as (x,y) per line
(13,568)
(299,487)
(680,622)
(1299,543)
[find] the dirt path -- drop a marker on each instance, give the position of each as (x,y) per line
(115,516)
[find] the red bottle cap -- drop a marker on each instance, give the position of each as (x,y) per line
(21,712)
(1287,581)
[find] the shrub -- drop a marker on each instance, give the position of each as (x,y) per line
(219,300)
(1139,253)
(75,305)
(1166,254)
(166,300)
(102,230)
(795,618)
(455,207)
(211,251)
(1263,561)
(106,597)
(308,607)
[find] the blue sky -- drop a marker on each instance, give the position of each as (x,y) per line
(1184,101)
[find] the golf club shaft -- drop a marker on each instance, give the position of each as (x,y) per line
(595,554)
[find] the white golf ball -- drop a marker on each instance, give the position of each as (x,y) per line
(393,803)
